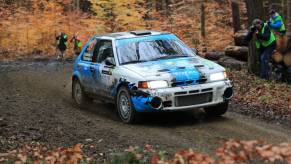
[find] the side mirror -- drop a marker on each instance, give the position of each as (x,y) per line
(110,61)
(195,51)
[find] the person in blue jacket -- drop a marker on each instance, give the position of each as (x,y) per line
(276,23)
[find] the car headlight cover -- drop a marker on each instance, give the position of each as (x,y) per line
(157,84)
(217,76)
(152,84)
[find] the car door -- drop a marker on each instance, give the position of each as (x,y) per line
(103,60)
(85,66)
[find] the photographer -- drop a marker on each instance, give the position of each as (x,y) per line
(265,43)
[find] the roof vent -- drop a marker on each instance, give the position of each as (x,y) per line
(140,33)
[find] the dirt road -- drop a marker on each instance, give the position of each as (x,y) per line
(35,105)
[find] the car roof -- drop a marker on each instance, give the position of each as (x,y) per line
(130,34)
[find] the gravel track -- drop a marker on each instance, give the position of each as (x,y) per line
(36,105)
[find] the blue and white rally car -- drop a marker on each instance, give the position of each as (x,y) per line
(142,71)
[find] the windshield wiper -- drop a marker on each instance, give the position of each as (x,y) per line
(134,61)
(172,56)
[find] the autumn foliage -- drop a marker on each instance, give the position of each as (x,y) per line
(29,27)
(231,151)
(40,154)
(32,30)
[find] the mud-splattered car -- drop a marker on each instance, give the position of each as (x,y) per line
(142,71)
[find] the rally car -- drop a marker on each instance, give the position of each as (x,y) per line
(146,71)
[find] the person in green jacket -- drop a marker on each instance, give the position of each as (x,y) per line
(276,23)
(265,42)
(62,44)
(76,40)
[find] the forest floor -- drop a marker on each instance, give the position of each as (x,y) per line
(36,106)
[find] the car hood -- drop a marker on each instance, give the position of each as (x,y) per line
(175,70)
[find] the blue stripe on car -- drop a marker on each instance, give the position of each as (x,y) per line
(141,103)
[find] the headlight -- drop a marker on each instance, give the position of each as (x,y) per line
(217,76)
(152,84)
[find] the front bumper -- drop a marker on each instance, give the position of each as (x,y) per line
(193,96)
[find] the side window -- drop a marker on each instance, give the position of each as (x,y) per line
(102,51)
(88,54)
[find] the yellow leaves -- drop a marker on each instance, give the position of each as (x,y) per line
(34,30)
(120,15)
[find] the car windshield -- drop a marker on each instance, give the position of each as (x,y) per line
(149,48)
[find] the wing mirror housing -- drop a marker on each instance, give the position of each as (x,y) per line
(110,61)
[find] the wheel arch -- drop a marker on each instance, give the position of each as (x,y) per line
(121,84)
(76,76)
(132,118)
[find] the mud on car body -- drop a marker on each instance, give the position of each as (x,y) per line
(142,71)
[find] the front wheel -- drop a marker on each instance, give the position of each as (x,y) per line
(216,110)
(79,95)
(124,106)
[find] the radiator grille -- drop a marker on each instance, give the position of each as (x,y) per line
(193,99)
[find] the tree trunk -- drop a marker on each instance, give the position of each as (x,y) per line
(277,57)
(289,23)
(289,15)
(237,52)
(287,59)
(202,20)
(76,5)
(254,10)
(235,15)
(232,63)
(214,55)
(239,38)
(159,5)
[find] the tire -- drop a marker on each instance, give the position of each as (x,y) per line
(124,106)
(218,110)
(78,94)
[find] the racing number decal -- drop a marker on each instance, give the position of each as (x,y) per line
(106,71)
